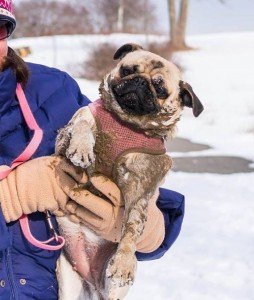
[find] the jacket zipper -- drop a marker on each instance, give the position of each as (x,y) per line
(10,275)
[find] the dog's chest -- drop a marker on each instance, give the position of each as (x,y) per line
(115,138)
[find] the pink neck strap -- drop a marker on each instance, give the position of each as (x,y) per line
(24,156)
(32,124)
(24,224)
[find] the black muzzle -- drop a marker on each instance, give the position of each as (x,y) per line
(135,96)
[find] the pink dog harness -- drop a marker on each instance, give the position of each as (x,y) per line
(24,156)
(116,138)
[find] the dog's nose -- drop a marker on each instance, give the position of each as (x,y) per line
(140,82)
(134,95)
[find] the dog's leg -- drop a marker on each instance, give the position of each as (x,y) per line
(69,282)
(88,255)
(138,177)
(77,139)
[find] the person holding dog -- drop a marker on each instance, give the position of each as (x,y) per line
(47,183)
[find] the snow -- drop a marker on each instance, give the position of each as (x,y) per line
(213,256)
(221,76)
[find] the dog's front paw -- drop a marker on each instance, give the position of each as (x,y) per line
(121,272)
(117,293)
(80,154)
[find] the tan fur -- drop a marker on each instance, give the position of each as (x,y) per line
(78,134)
(138,175)
(162,124)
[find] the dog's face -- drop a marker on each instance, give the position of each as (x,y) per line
(146,90)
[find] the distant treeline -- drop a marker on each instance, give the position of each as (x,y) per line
(47,17)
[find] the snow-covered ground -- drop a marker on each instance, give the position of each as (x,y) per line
(213,256)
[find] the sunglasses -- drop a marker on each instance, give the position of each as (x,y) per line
(5,30)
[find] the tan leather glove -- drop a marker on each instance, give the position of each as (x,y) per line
(39,184)
(105,217)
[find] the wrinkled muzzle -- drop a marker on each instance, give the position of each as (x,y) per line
(135,96)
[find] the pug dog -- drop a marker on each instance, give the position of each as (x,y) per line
(122,136)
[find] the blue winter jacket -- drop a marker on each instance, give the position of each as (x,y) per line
(27,272)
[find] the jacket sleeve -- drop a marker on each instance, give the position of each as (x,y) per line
(82,99)
(71,85)
(4,234)
(171,204)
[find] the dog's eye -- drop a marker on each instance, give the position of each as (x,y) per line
(125,71)
(160,89)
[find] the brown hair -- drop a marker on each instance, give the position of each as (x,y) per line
(18,65)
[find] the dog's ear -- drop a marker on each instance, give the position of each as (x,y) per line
(123,50)
(189,98)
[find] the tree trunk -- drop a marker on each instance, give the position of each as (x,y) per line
(182,22)
(172,19)
(178,25)
(120,16)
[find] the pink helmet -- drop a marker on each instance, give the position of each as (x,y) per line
(7,16)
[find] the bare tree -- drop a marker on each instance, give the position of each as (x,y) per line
(44,17)
(178,24)
(120,15)
(136,16)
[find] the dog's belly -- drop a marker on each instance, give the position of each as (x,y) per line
(87,253)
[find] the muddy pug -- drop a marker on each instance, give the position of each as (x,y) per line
(122,136)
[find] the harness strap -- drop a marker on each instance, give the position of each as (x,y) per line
(24,156)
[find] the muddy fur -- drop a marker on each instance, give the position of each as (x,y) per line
(163,123)
(146,92)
